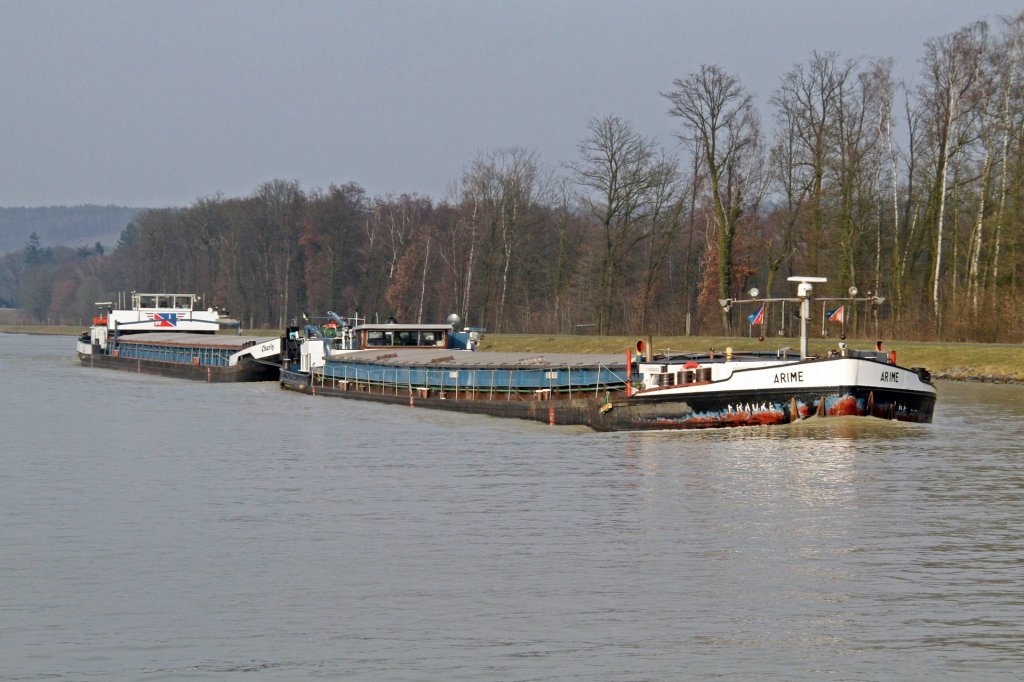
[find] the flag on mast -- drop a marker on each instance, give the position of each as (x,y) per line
(837,314)
(758,317)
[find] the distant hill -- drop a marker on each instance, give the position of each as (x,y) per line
(64,225)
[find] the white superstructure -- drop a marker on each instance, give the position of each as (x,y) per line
(155,313)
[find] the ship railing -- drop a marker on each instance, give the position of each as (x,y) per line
(481,383)
(181,355)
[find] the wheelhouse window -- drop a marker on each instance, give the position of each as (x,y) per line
(172,301)
(404,338)
(432,339)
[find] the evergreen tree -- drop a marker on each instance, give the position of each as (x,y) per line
(34,252)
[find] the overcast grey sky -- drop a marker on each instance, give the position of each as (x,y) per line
(158,103)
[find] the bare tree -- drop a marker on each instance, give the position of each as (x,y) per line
(718,118)
(667,204)
(1010,63)
(857,163)
(503,186)
(952,66)
(280,205)
(808,100)
(617,172)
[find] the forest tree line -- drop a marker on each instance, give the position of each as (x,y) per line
(914,192)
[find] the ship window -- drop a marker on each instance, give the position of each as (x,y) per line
(183,302)
(147,301)
(164,301)
(432,338)
(375,338)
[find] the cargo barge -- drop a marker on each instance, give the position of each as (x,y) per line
(166,334)
(419,366)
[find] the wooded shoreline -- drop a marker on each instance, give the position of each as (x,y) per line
(981,362)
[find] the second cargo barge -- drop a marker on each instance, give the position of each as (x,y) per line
(166,334)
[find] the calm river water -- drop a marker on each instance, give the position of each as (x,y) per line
(160,529)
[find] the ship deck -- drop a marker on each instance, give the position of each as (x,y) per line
(186,340)
(447,358)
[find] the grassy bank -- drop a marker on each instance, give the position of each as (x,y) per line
(959,361)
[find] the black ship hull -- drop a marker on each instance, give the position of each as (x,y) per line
(246,370)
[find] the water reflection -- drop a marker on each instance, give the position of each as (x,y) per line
(872,536)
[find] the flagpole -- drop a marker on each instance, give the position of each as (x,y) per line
(803,298)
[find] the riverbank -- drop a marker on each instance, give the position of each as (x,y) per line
(982,362)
